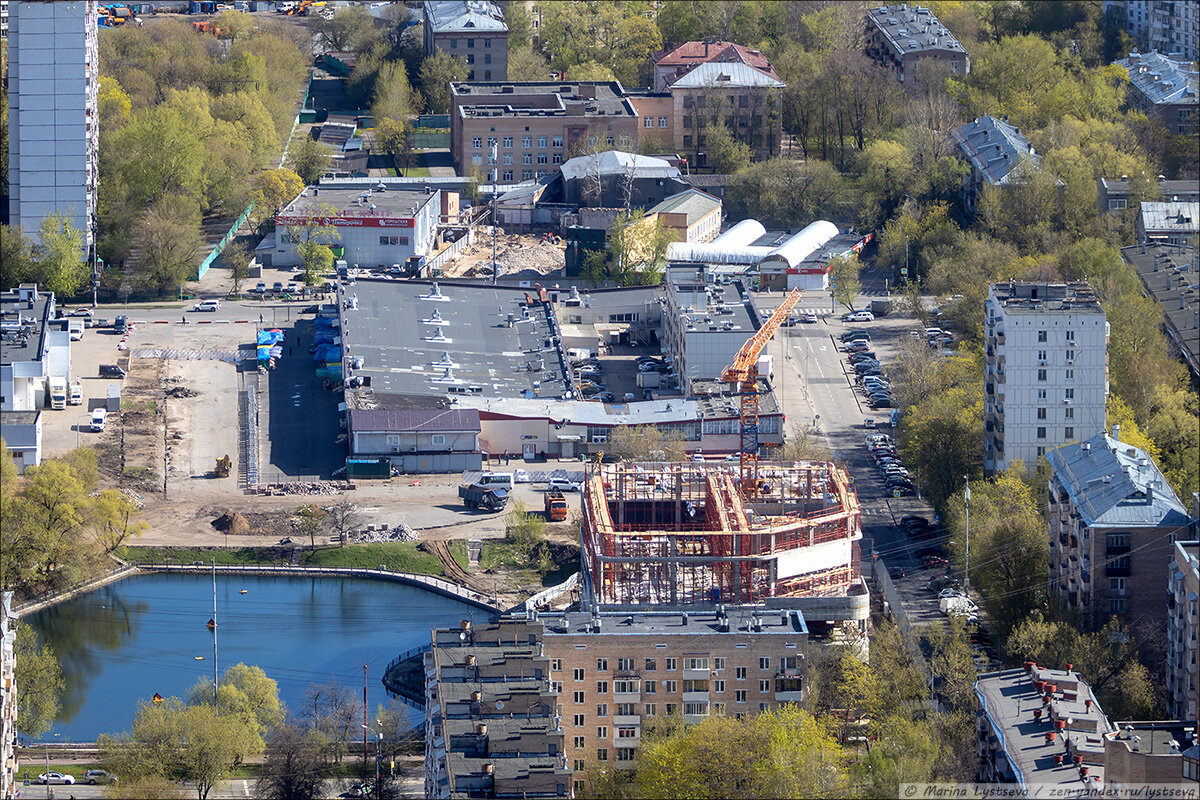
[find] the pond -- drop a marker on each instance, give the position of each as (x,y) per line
(144,634)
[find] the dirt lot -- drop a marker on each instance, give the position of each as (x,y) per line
(516,254)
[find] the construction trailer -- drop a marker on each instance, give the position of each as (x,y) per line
(680,534)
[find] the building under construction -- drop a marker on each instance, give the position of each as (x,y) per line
(681,534)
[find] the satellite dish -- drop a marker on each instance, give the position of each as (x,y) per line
(462,637)
(499,705)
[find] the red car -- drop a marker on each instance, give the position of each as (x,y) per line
(934,561)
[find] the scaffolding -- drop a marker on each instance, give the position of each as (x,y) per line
(677,534)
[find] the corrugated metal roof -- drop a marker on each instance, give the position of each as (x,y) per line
(994,147)
(464,15)
(913,29)
(1112,483)
(612,162)
(411,420)
(719,74)
(1170,217)
(693,202)
(1162,79)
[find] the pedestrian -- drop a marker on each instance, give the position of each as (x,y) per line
(260,319)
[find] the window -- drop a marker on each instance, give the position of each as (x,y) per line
(454,44)
(1071,336)
(487,58)
(1116,606)
(662,122)
(740,673)
(526,174)
(1042,356)
(1041,451)
(383,239)
(541,158)
(527,158)
(1069,394)
(764,707)
(591,141)
(648,122)
(650,709)
(626,709)
(602,710)
(1041,413)
(1041,433)
(1116,584)
(1041,394)
(651,687)
(670,687)
(1070,375)
(601,731)
(487,42)
(470,42)
(696,709)
(695,663)
(541,141)
(507,159)
(602,754)
(578,675)
(718,709)
(491,160)
(691,685)
(718,663)
(1041,374)
(477,160)
(764,685)
(438,438)
(579,720)
(1070,354)
(625,753)
(1069,433)
(477,142)
(577,698)
(508,141)
(718,686)
(1041,336)
(556,687)
(625,687)
(1069,413)
(625,665)
(764,662)
(526,142)
(651,664)
(492,141)
(608,140)
(687,122)
(578,765)
(672,664)
(556,665)
(601,665)
(602,687)
(470,58)
(393,439)
(507,176)
(555,158)
(578,742)
(739,696)
(1115,540)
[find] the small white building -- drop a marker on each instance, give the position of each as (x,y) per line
(379,224)
(1046,380)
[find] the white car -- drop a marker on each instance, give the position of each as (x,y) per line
(563,485)
(809,317)
(99,418)
(860,316)
(79,312)
(951,593)
(56,777)
(207,305)
(520,476)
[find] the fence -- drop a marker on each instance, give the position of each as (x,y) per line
(448,254)
(430,140)
(395,687)
(114,574)
(432,121)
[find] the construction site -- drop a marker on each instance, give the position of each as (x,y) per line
(682,534)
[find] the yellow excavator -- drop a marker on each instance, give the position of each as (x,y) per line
(223,466)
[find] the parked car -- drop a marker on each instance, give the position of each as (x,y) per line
(563,485)
(859,316)
(56,777)
(934,561)
(856,346)
(922,552)
(95,776)
(80,312)
(260,287)
(520,476)
(207,305)
(865,355)
(99,418)
(809,317)
(277,286)
(882,402)
(855,334)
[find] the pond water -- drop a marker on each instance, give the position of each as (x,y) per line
(141,635)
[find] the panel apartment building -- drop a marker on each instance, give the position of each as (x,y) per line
(534,125)
(470,30)
(53,133)
(1046,359)
(1183,631)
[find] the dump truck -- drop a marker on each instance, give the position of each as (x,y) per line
(489,498)
(556,506)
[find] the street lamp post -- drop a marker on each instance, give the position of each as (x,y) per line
(967,568)
(495,176)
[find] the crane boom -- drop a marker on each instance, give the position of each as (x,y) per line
(744,372)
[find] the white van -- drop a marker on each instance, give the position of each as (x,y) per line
(504,480)
(99,417)
(76,396)
(75,329)
(207,305)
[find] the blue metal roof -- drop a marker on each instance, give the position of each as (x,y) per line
(1160,78)
(1114,484)
(994,147)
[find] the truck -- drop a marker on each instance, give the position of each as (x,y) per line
(76,393)
(556,506)
(489,498)
(766,366)
(58,393)
(75,329)
(880,308)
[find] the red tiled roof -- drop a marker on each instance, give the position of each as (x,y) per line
(692,54)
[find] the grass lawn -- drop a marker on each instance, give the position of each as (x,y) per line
(395,556)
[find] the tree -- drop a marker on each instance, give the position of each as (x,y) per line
(115,521)
(16,257)
(637,248)
(161,153)
(59,256)
(171,242)
(780,191)
(438,71)
(39,681)
(248,694)
(843,279)
(850,692)
(343,519)
(803,445)
(645,443)
(312,237)
(520,27)
(274,189)
(334,714)
(726,154)
(237,257)
(234,24)
(394,137)
(310,520)
(526,64)
(294,766)
(309,159)
(393,96)
(350,29)
(590,71)
(525,531)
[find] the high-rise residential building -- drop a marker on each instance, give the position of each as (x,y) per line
(53,135)
(1183,631)
(1046,358)
(1164,25)
(470,30)
(1112,518)
(8,699)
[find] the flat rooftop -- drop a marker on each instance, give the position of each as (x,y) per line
(23,325)
(357,200)
(1041,298)
(542,98)
(711,307)
(738,619)
(913,29)
(1171,275)
(460,344)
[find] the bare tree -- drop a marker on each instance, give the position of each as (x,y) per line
(333,712)
(342,520)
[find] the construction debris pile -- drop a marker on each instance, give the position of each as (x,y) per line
(514,253)
(304,487)
(385,533)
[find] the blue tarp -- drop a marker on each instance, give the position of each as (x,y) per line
(270,337)
(327,352)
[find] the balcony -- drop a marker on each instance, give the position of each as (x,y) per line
(627,697)
(695,697)
(696,674)
(626,720)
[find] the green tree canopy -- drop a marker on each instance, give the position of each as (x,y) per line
(39,680)
(438,71)
(309,159)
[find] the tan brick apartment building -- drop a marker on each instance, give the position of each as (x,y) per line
(471,30)
(536,125)
(902,36)
(1183,631)
(747,101)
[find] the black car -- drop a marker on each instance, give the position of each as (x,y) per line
(866,355)
(897,480)
(905,490)
(882,402)
(855,334)
(910,520)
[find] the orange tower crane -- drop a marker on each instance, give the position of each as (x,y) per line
(744,372)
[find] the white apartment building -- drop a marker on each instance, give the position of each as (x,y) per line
(704,323)
(1183,630)
(1046,384)
(53,138)
(1169,26)
(8,699)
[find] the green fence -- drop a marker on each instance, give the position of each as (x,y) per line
(226,239)
(430,139)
